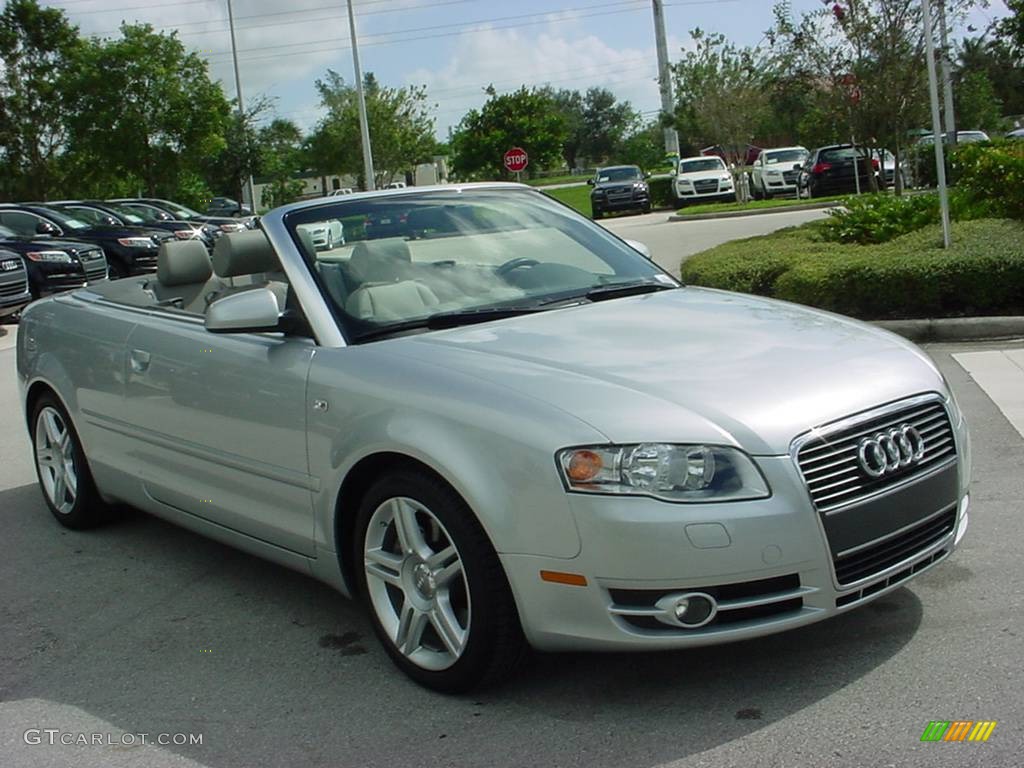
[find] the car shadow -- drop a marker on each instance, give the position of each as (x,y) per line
(154,629)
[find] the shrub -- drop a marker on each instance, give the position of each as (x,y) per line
(662,195)
(992,177)
(879,218)
(910,276)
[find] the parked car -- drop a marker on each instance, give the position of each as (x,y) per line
(776,171)
(184,213)
(516,434)
(887,163)
(1017,133)
(962,137)
(15,293)
(54,265)
(325,235)
(619,188)
(102,213)
(225,206)
(830,171)
(703,178)
(342,191)
(129,250)
(396,185)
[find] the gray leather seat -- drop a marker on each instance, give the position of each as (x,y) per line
(247,261)
(184,275)
(392,301)
(380,261)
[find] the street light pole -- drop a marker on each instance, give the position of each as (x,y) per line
(364,126)
(933,92)
(241,103)
(664,77)
(947,78)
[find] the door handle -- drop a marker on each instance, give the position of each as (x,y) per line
(139,360)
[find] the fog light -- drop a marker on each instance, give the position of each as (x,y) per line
(690,610)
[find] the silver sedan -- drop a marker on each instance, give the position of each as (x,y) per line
(500,427)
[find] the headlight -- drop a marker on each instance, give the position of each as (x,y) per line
(54,257)
(687,473)
(685,182)
(186,234)
(773,173)
(725,177)
(136,242)
(232,227)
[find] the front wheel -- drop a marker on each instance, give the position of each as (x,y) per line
(64,476)
(596,214)
(438,597)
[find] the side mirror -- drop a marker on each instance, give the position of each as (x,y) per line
(639,247)
(254,311)
(590,182)
(45,228)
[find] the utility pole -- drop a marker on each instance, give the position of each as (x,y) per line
(241,104)
(933,92)
(664,77)
(947,78)
(364,126)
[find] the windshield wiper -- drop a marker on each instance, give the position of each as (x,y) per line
(453,319)
(614,291)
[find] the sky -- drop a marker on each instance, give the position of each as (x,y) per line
(454,47)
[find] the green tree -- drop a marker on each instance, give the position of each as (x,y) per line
(994,58)
(606,122)
(977,105)
(36,48)
(281,152)
(1011,27)
(144,106)
(569,104)
(644,146)
(526,118)
(721,92)
(401,128)
(241,154)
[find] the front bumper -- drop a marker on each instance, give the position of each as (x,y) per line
(767,563)
(636,201)
(721,191)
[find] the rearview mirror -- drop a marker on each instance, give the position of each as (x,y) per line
(590,182)
(45,228)
(253,311)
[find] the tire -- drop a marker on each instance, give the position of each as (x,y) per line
(63,472)
(596,214)
(116,270)
(449,578)
(645,209)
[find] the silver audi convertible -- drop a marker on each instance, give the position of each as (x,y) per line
(499,426)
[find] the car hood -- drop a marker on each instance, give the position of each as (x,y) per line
(698,175)
(111,232)
(689,365)
(26,244)
(615,184)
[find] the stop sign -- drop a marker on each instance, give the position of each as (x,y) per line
(516,160)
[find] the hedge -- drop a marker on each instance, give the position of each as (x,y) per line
(910,276)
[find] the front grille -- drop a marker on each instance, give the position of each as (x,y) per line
(747,601)
(13,283)
(95,270)
(704,186)
(904,545)
(831,469)
(791,176)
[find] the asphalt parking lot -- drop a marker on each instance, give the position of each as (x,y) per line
(141,627)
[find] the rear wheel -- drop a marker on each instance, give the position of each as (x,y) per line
(438,596)
(64,476)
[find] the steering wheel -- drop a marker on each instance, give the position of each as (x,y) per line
(514,264)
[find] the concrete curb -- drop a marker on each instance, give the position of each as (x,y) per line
(956,328)
(756,212)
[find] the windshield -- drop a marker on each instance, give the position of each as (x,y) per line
(384,262)
(132,215)
(840,153)
(618,174)
(7,234)
(697,166)
(180,210)
(786,156)
(65,221)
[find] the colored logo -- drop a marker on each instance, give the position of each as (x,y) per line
(958,730)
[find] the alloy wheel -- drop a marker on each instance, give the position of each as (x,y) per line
(55,456)
(416,583)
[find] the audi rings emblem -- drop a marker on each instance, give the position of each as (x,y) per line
(886,452)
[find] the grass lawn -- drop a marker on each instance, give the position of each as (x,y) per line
(577,197)
(753,205)
(908,277)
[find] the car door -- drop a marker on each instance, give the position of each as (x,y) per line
(219,426)
(24,223)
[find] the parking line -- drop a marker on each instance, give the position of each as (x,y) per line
(1000,373)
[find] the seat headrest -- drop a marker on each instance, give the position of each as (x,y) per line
(379,261)
(244,253)
(182,262)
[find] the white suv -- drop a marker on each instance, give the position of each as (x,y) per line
(704,178)
(776,171)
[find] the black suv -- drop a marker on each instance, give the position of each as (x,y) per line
(14,290)
(56,265)
(99,213)
(183,213)
(129,250)
(830,171)
(619,188)
(225,206)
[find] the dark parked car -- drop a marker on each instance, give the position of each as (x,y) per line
(56,265)
(14,290)
(129,250)
(225,206)
(619,188)
(183,213)
(98,212)
(830,171)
